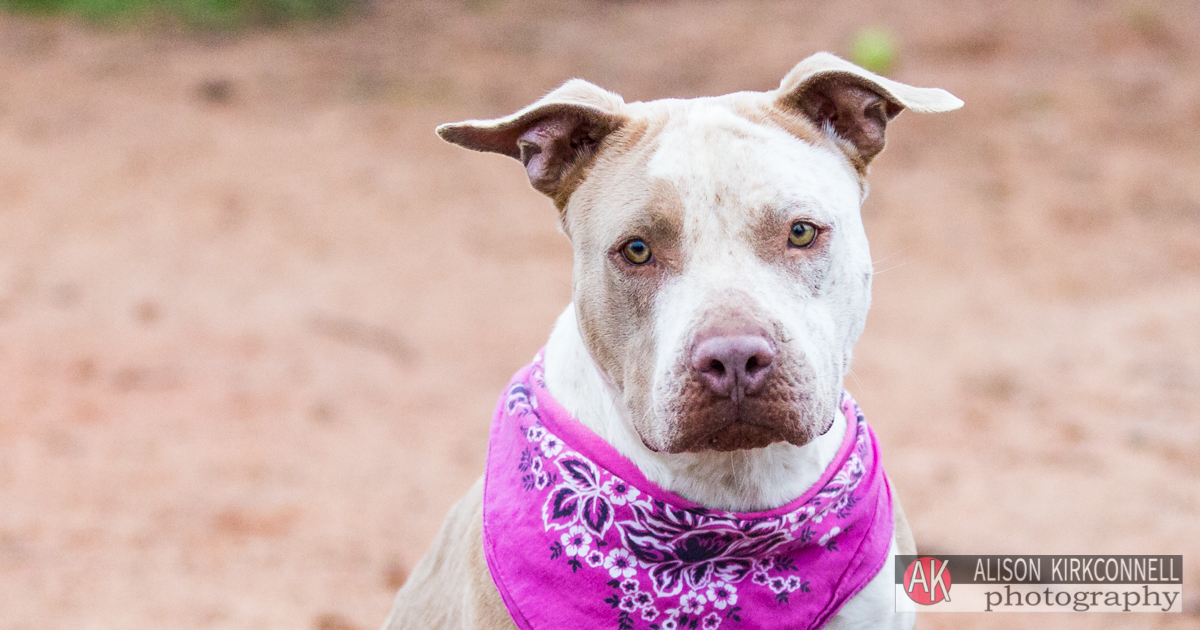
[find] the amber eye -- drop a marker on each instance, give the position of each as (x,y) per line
(636,252)
(802,235)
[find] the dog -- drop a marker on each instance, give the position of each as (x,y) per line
(721,278)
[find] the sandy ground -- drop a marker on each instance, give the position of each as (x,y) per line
(254,315)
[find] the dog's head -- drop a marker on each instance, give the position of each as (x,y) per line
(722,273)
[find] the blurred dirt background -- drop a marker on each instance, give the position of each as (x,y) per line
(254,315)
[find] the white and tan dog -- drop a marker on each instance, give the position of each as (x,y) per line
(721,278)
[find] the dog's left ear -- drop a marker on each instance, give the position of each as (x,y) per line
(555,138)
(855,103)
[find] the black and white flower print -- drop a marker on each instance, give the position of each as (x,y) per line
(692,603)
(534,475)
(690,548)
(580,499)
(621,564)
(518,400)
(827,541)
(551,446)
(619,492)
(536,433)
(778,584)
(721,594)
(577,542)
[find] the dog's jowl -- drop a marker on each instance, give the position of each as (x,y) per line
(681,453)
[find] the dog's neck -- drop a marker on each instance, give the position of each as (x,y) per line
(740,481)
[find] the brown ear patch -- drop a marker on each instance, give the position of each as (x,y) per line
(553,147)
(501,136)
(553,137)
(854,111)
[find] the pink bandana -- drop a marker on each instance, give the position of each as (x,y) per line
(576,537)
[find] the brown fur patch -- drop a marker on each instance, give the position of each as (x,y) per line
(600,218)
(768,232)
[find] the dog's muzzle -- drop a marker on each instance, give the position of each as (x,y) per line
(738,393)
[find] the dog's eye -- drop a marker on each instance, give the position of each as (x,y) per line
(636,252)
(803,234)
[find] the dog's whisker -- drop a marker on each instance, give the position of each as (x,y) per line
(890,256)
(896,266)
(851,374)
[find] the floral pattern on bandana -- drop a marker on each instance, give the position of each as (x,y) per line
(666,567)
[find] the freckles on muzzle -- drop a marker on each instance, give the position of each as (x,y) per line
(739,391)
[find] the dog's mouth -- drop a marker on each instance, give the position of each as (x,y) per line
(735,436)
(749,424)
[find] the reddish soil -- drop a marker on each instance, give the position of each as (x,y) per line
(254,316)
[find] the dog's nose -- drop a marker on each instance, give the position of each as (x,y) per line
(734,365)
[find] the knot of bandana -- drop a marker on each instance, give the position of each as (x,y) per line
(576,537)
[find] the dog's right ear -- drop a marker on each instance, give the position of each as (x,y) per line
(854,103)
(555,138)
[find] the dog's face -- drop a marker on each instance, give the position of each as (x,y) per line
(722,273)
(712,246)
